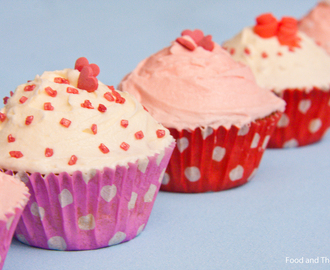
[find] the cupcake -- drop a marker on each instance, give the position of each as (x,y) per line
(91,156)
(289,63)
(316,24)
(13,198)
(212,106)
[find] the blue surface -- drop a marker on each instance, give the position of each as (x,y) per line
(283,212)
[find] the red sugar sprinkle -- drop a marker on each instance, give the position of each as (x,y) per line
(29,120)
(73,160)
(279,54)
(23,99)
(160,133)
(48,106)
(102,108)
(5,100)
(232,51)
(65,122)
(108,96)
(124,123)
(72,90)
(10,138)
(119,98)
(111,87)
(247,51)
(124,146)
(139,135)
(145,109)
(291,49)
(61,80)
(50,92)
(49,152)
(264,55)
(16,154)
(29,87)
(103,148)
(2,117)
(11,93)
(87,104)
(94,128)
(186,43)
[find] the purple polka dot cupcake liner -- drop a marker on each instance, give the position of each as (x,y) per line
(213,160)
(305,120)
(90,211)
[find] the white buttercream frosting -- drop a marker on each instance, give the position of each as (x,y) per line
(277,67)
(78,139)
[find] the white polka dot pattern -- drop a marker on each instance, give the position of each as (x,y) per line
(65,198)
(161,175)
(166,179)
(140,229)
(255,140)
(22,239)
(56,242)
(206,132)
(254,172)
(108,192)
(304,105)
(132,201)
(243,130)
(143,164)
(9,222)
(117,238)
(86,223)
(265,142)
(290,144)
(218,153)
(37,211)
(192,173)
(314,125)
(284,121)
(149,196)
(237,173)
(182,144)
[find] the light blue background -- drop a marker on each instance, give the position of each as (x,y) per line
(283,212)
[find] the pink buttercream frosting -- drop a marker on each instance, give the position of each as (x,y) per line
(186,89)
(316,24)
(13,194)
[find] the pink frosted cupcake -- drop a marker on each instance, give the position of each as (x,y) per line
(91,156)
(289,63)
(13,198)
(316,24)
(214,109)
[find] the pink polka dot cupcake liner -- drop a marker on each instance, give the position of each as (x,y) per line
(213,160)
(83,212)
(7,229)
(305,120)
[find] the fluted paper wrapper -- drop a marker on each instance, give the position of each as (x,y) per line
(80,212)
(305,120)
(7,229)
(213,160)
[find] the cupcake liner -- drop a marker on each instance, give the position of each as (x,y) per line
(7,228)
(305,120)
(80,211)
(213,160)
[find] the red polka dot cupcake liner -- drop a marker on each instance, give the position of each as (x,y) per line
(7,229)
(213,160)
(305,120)
(83,212)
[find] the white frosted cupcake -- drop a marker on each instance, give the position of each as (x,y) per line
(289,63)
(13,198)
(91,156)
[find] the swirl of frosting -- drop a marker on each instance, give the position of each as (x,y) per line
(186,89)
(50,125)
(278,67)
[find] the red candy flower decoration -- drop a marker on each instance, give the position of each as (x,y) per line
(286,30)
(88,73)
(199,39)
